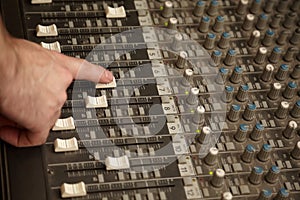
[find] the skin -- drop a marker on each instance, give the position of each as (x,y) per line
(33,84)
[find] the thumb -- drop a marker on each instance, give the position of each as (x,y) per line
(21,137)
(82,69)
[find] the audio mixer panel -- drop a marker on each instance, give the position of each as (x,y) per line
(204,105)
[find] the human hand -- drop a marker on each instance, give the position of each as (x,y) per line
(33,89)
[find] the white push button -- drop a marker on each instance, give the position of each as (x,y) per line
(115,12)
(112,84)
(40,1)
(96,102)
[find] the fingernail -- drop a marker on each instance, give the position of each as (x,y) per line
(107,77)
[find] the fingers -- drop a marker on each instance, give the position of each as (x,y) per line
(22,138)
(81,69)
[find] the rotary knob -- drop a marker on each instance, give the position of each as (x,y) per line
(236,75)
(289,55)
(242,94)
(224,41)
(255,6)
(204,136)
(290,129)
(264,154)
(254,39)
(242,7)
(227,196)
(273,174)
(283,194)
(274,92)
(233,114)
(262,21)
(241,134)
(248,153)
(209,42)
(204,24)
(187,77)
(181,60)
(256,175)
(267,73)
(192,98)
(212,156)
(199,8)
(213,8)
(218,178)
(282,110)
(257,132)
(261,55)
(275,55)
(290,90)
(282,72)
(290,19)
(249,112)
(296,151)
(296,72)
(198,117)
(268,39)
(230,57)
(282,38)
(219,24)
(295,112)
(295,39)
(167,11)
(216,57)
(276,19)
(172,25)
(248,22)
(265,195)
(228,94)
(222,75)
(282,6)
(177,42)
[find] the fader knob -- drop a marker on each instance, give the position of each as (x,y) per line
(265,195)
(261,55)
(249,112)
(295,39)
(211,157)
(296,72)
(187,77)
(283,194)
(218,178)
(282,72)
(282,6)
(224,41)
(262,21)
(198,117)
(181,60)
(290,90)
(296,151)
(264,154)
(242,94)
(216,57)
(290,18)
(199,8)
(254,39)
(204,24)
(192,98)
(228,94)
(257,132)
(275,55)
(268,39)
(172,25)
(167,11)
(267,73)
(209,42)
(219,24)
(282,110)
(241,134)
(274,92)
(289,55)
(236,75)
(255,6)
(290,129)
(295,112)
(282,38)
(213,8)
(273,174)
(227,196)
(242,7)
(248,22)
(230,57)
(256,175)
(233,114)
(248,153)
(203,137)
(276,19)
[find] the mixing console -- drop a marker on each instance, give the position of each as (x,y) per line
(204,105)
